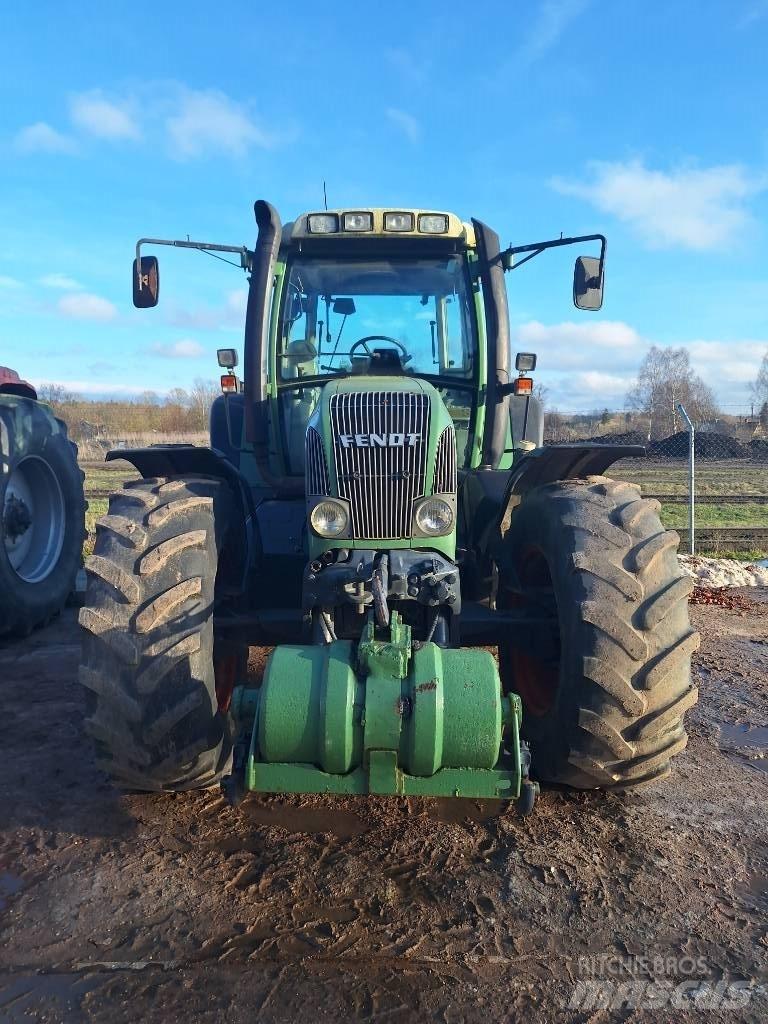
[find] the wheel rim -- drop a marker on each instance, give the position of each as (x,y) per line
(537,680)
(33,520)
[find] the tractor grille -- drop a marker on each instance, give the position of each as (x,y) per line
(380,448)
(445,463)
(316,467)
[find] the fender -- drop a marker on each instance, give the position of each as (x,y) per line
(564,462)
(189,459)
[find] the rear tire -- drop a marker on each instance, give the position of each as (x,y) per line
(148,646)
(603,706)
(42,515)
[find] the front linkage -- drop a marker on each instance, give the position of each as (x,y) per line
(393,717)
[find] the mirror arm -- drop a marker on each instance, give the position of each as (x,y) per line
(538,247)
(246,255)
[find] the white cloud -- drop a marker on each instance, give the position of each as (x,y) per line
(84,306)
(61,282)
(593,365)
(722,363)
(689,207)
(609,344)
(551,20)
(94,114)
(41,138)
(209,123)
(186,348)
(9,282)
(407,123)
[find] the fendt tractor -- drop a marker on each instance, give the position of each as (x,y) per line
(42,509)
(378,506)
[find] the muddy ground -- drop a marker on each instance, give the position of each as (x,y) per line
(134,907)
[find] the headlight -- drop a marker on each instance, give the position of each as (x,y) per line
(433,223)
(398,222)
(434,517)
(358,222)
(322,223)
(329,519)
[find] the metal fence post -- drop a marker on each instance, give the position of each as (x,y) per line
(691,479)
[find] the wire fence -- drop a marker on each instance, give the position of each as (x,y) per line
(713,487)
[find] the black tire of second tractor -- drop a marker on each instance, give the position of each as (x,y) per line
(29,428)
(148,643)
(624,680)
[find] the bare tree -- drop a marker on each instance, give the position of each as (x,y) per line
(177,396)
(541,391)
(55,394)
(201,399)
(759,387)
(665,378)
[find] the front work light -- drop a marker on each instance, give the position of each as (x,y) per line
(358,222)
(398,222)
(433,223)
(434,517)
(227,358)
(322,223)
(329,519)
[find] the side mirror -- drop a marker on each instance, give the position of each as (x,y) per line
(587,283)
(345,307)
(146,282)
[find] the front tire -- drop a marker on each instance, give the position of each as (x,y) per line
(148,643)
(603,704)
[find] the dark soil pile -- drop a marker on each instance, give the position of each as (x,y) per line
(758,449)
(630,437)
(707,446)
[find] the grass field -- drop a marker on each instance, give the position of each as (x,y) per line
(735,477)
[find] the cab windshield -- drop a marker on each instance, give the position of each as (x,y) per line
(352,316)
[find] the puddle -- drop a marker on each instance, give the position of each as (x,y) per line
(746,741)
(9,886)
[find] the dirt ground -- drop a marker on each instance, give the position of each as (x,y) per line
(135,907)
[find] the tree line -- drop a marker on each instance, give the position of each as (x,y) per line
(180,411)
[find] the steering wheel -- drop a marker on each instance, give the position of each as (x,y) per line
(363,343)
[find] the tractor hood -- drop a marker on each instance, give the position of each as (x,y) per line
(381,445)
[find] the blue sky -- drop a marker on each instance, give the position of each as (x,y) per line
(646,121)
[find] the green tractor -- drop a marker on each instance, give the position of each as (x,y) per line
(377,505)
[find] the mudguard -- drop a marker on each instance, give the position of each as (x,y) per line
(565,462)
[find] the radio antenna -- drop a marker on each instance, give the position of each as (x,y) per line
(325,195)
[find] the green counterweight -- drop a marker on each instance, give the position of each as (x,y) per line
(382,716)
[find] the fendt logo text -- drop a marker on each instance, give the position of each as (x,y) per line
(378,440)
